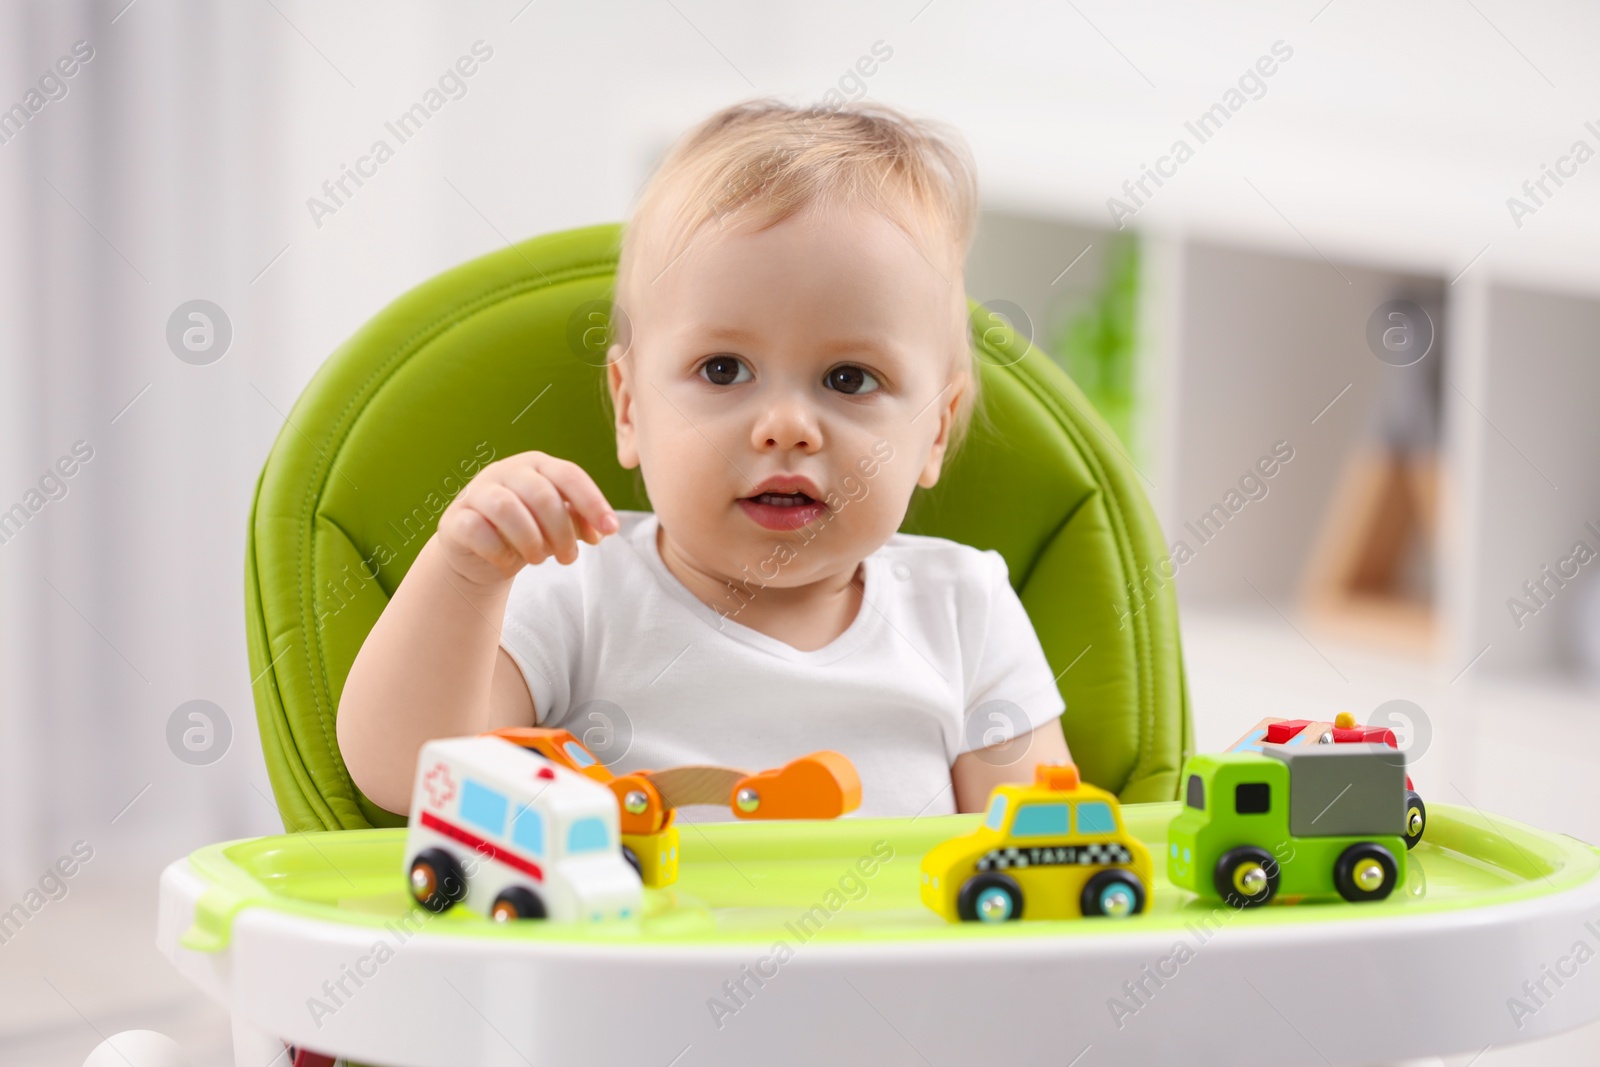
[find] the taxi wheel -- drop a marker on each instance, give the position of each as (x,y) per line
(516,903)
(989,898)
(1416,818)
(437,881)
(1246,876)
(1115,893)
(633,861)
(1365,871)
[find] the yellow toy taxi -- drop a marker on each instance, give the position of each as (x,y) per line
(1056,849)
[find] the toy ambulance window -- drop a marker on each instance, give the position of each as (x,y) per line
(997,812)
(527,831)
(1196,797)
(587,835)
(483,807)
(1040,819)
(578,754)
(1094,817)
(1252,798)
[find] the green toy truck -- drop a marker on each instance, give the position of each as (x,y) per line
(1309,822)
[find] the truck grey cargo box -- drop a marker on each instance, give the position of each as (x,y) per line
(1344,790)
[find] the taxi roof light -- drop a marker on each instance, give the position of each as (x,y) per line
(1056,775)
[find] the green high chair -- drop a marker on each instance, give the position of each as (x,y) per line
(490,358)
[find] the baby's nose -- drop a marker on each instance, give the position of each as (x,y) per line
(790,425)
(788,441)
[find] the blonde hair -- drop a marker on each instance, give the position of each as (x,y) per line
(764,160)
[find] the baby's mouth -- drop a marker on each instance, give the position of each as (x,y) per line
(782,511)
(781,500)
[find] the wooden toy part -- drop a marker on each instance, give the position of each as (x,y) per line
(696,784)
(1297,732)
(552,743)
(1342,730)
(1058,775)
(1377,735)
(822,785)
(1278,731)
(640,804)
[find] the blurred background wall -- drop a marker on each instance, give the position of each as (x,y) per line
(1393,153)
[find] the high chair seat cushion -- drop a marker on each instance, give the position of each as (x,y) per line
(504,353)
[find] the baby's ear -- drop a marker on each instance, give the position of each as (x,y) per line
(947,418)
(617,380)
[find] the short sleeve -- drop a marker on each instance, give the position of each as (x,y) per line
(1010,689)
(542,631)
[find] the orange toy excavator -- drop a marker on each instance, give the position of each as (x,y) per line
(822,785)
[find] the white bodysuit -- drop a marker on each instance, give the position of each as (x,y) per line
(941,659)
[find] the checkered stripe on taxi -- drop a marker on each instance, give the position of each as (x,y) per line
(1099,854)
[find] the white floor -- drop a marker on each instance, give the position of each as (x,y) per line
(86,967)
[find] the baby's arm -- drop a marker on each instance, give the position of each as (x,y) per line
(976,773)
(432,665)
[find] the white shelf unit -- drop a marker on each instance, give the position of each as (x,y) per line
(1243,346)
(1530,446)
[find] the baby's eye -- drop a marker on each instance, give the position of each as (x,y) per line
(724,370)
(851,379)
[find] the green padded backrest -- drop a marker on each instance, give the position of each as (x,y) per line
(483,361)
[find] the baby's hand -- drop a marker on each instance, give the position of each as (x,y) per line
(520,510)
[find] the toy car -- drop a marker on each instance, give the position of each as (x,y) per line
(514,836)
(1342,730)
(649,832)
(822,785)
(1055,849)
(1300,821)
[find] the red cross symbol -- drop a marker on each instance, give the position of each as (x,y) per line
(439,785)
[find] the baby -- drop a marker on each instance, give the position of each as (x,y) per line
(791,359)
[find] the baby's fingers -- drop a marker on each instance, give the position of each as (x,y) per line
(587,503)
(542,500)
(502,509)
(584,527)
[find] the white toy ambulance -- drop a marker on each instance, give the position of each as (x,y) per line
(512,835)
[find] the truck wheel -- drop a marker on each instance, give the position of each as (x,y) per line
(1246,876)
(1365,871)
(516,903)
(437,880)
(1115,893)
(1416,818)
(989,898)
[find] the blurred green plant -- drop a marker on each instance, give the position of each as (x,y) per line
(1097,344)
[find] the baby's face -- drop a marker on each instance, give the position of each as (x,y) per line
(821,352)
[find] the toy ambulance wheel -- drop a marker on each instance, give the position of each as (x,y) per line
(633,861)
(516,903)
(1416,818)
(437,880)
(1117,894)
(1246,876)
(989,898)
(1365,871)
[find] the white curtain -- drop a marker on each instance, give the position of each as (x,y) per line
(177,166)
(137,185)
